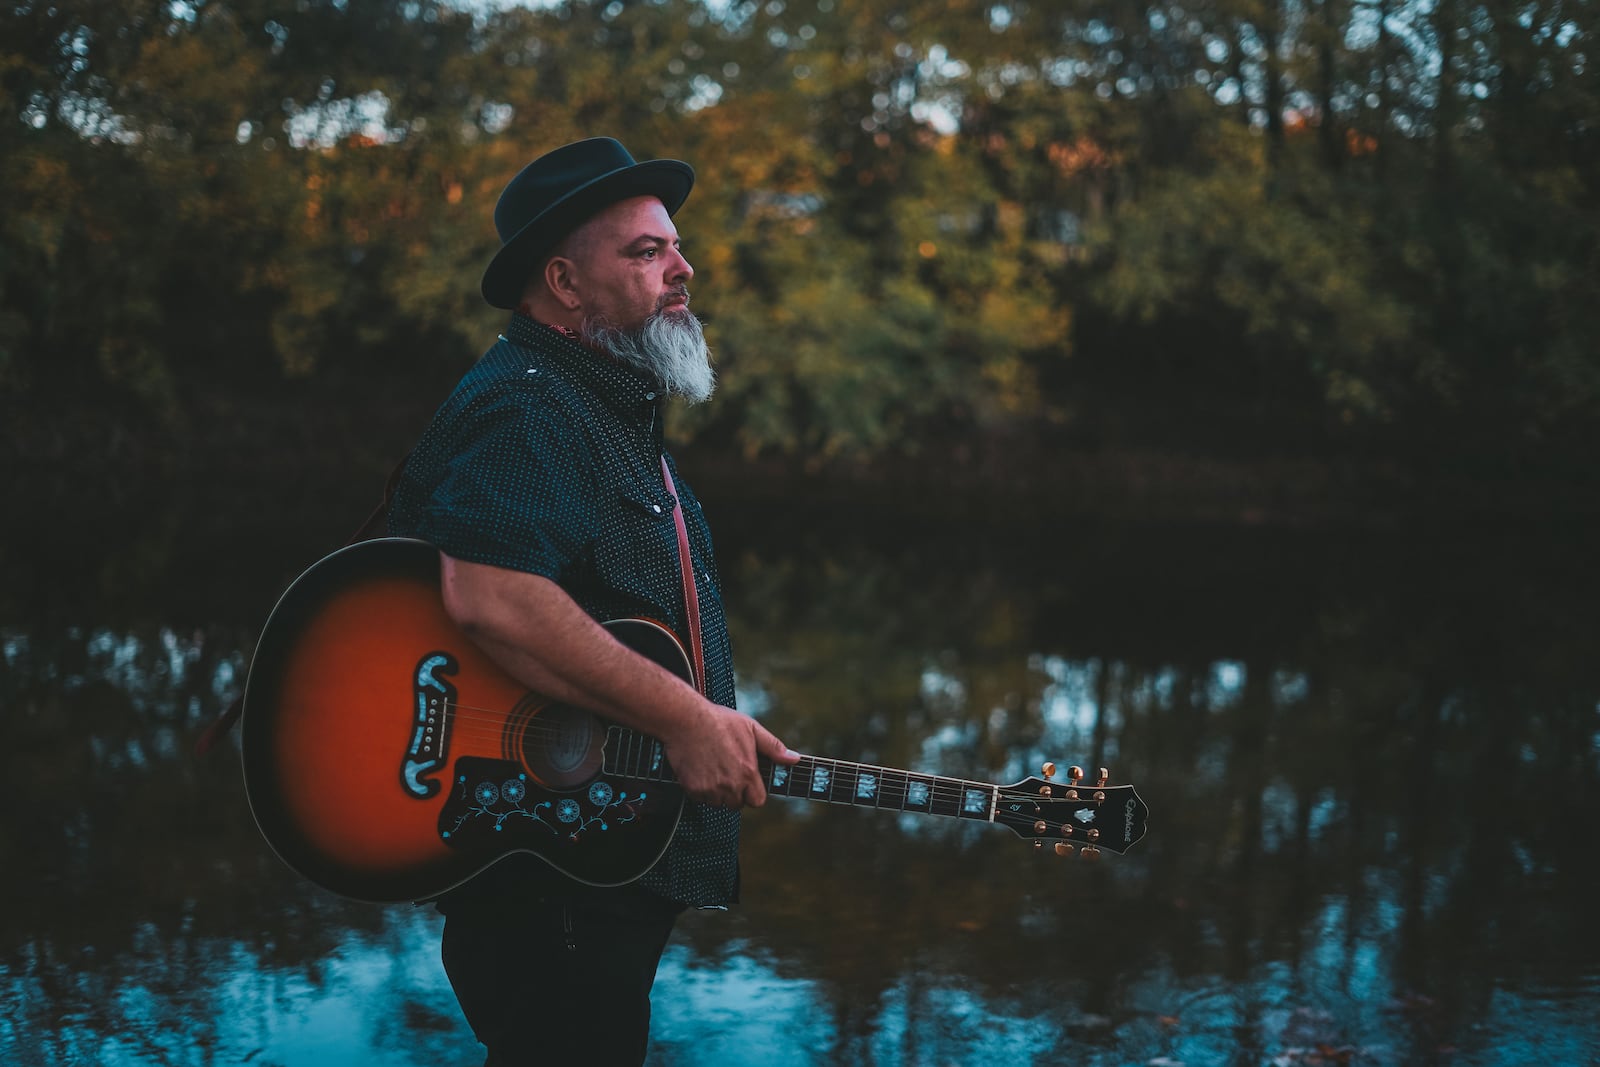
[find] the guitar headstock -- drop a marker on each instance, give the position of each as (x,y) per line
(1073,816)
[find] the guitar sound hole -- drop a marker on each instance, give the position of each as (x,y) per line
(561,746)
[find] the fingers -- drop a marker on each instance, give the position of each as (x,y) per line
(769,746)
(755,793)
(744,787)
(751,794)
(722,766)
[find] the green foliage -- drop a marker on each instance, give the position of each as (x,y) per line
(1302,284)
(905,218)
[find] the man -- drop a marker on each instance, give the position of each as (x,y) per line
(543,483)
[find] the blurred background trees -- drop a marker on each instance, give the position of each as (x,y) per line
(1250,229)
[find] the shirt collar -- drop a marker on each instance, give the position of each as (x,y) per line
(624,389)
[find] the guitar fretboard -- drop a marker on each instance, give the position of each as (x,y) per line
(634,755)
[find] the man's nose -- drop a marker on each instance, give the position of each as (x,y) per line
(681,270)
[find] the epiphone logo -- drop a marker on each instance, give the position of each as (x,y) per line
(1127,821)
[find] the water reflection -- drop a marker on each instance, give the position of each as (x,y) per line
(1372,777)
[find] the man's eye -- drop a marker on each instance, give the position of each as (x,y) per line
(648,253)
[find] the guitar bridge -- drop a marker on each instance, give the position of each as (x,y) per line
(430,735)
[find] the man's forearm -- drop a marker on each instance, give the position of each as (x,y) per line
(540,636)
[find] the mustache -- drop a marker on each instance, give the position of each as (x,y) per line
(677,292)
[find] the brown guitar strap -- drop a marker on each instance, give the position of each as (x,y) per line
(691,598)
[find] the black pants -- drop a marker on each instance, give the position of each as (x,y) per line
(557,974)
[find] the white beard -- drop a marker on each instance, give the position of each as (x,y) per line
(670,348)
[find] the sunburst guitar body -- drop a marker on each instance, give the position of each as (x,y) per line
(387,758)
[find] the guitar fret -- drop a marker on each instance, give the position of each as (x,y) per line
(844,783)
(856,784)
(842,790)
(978,801)
(892,791)
(918,794)
(882,781)
(869,783)
(819,779)
(801,785)
(821,783)
(635,755)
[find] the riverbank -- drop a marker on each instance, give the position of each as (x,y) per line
(322,451)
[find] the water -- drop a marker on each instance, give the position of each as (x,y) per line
(1371,761)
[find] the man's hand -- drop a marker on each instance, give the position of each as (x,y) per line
(538,635)
(716,760)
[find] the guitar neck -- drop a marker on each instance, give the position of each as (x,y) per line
(867,786)
(634,755)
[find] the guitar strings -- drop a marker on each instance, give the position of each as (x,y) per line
(849,772)
(477,723)
(492,722)
(491,726)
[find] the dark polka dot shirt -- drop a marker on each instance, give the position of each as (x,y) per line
(546,459)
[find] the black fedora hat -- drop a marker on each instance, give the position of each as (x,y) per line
(551,196)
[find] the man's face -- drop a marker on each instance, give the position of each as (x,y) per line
(629,265)
(632,284)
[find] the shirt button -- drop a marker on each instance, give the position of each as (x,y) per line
(657,507)
(649,396)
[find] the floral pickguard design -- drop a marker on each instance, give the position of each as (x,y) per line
(497,797)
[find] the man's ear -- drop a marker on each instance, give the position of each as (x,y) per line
(561,279)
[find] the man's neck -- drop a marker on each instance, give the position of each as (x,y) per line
(569,323)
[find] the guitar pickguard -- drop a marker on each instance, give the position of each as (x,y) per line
(430,735)
(495,802)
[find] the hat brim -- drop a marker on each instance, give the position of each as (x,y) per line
(666,179)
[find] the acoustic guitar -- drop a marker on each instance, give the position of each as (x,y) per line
(386,758)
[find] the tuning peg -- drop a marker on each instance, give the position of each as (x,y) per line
(1040,827)
(1048,770)
(1074,772)
(1089,852)
(1105,776)
(1038,846)
(1063,849)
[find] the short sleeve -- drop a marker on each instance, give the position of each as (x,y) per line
(512,490)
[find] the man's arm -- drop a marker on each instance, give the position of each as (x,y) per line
(541,637)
